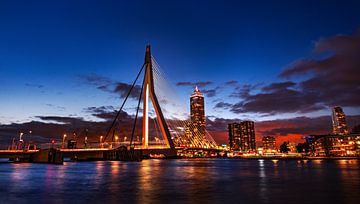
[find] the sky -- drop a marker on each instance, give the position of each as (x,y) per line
(273,62)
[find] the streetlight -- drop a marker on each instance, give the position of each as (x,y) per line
(30,133)
(63,141)
(21,134)
(30,142)
(86,141)
(116,139)
(20,140)
(101,138)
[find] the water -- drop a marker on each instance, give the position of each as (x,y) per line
(183,181)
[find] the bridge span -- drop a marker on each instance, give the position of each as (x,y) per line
(173,137)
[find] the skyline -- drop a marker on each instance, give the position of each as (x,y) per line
(64,61)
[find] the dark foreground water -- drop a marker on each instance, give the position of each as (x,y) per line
(182,181)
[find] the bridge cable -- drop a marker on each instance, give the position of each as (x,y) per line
(137,110)
(122,105)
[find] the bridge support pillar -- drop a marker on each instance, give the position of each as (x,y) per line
(51,156)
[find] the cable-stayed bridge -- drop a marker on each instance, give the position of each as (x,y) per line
(161,124)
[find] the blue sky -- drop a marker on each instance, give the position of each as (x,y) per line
(47,48)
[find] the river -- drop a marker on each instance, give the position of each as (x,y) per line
(182,181)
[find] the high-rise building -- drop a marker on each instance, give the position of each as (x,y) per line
(197,110)
(269,143)
(339,123)
(248,136)
(234,136)
(242,136)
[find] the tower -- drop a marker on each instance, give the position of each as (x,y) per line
(339,122)
(197,110)
(149,92)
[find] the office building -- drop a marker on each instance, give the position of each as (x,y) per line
(242,136)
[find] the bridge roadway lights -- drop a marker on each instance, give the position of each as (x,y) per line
(168,153)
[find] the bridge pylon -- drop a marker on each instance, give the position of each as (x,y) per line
(149,92)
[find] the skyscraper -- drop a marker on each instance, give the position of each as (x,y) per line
(242,136)
(339,122)
(234,136)
(197,110)
(248,136)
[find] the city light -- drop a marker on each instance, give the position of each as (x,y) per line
(21,135)
(63,141)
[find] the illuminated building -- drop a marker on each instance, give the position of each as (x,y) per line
(292,147)
(337,145)
(197,110)
(339,122)
(269,143)
(234,136)
(247,136)
(242,136)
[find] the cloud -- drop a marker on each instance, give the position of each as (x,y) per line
(199,84)
(218,124)
(106,113)
(331,79)
(279,86)
(243,91)
(278,101)
(298,125)
(45,128)
(60,119)
(335,79)
(110,86)
(39,86)
(101,83)
(122,89)
(232,83)
(209,92)
(59,108)
(223,105)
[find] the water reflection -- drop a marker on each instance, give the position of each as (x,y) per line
(114,167)
(183,181)
(99,170)
(263,191)
(347,162)
(18,173)
(146,187)
(275,162)
(317,161)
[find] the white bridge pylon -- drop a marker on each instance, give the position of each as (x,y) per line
(149,92)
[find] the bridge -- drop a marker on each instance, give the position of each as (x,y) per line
(173,136)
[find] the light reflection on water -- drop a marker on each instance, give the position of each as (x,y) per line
(183,181)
